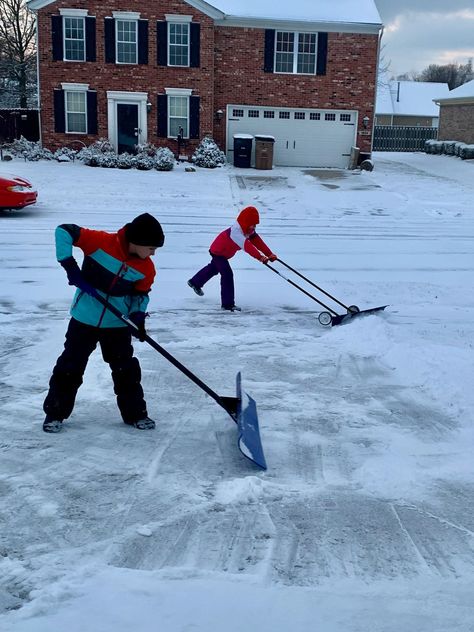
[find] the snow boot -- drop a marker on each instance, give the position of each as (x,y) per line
(197,289)
(142,424)
(52,425)
(233,308)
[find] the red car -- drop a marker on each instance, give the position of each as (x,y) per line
(15,192)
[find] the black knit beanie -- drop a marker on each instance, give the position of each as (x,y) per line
(145,230)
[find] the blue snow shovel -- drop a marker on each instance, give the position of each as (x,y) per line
(242,408)
(329,317)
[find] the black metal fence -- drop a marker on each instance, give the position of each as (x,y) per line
(19,122)
(388,138)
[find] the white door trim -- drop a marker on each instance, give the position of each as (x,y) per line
(114,97)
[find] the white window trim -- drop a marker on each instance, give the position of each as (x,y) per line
(170,17)
(125,15)
(122,19)
(74,13)
(119,96)
(78,87)
(187,65)
(178,92)
(187,117)
(74,89)
(295,54)
(64,38)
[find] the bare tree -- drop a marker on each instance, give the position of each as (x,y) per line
(17,51)
(454,75)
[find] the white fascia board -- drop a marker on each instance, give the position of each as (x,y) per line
(206,8)
(35,5)
(300,26)
(455,101)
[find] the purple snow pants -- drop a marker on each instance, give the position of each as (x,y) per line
(218,265)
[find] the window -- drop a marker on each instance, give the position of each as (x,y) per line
(236,112)
(344,117)
(329,116)
(284,115)
(74,39)
(253,113)
(126,41)
(178,116)
(300,116)
(76,112)
(315,116)
(268,114)
(178,44)
(295,53)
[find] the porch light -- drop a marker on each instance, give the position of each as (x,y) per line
(219,115)
(365,122)
(148,107)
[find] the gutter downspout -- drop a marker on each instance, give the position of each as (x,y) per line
(379,45)
(38,77)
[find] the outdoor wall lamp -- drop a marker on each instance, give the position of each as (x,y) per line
(148,107)
(365,122)
(219,115)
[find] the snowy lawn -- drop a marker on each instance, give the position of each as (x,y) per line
(364,520)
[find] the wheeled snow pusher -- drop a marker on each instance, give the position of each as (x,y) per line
(242,408)
(328,317)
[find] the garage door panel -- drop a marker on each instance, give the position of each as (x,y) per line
(308,137)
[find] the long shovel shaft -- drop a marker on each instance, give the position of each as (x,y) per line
(225,402)
(300,288)
(313,284)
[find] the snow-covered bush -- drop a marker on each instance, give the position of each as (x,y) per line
(146,148)
(448,147)
(125,161)
(29,150)
(164,159)
(64,154)
(458,147)
(144,162)
(208,154)
(466,152)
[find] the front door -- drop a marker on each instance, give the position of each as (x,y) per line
(128,130)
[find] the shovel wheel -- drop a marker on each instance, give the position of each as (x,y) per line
(325,318)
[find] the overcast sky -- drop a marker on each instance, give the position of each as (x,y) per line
(418,33)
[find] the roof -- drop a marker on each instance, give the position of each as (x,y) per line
(463,94)
(409,98)
(336,15)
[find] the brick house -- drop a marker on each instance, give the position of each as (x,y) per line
(408,103)
(456,116)
(135,71)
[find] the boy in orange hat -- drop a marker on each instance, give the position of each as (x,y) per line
(240,236)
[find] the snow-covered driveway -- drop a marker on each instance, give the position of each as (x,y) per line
(365,517)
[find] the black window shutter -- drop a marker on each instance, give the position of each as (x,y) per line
(193,117)
(322,53)
(90,39)
(109,31)
(195,41)
(162,43)
(142,41)
(59,112)
(91,112)
(269,50)
(162,116)
(57,37)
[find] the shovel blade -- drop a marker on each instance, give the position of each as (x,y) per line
(250,443)
(344,318)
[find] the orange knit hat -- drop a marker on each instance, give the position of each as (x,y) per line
(248,217)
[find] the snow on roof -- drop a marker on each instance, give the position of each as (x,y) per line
(466,91)
(361,12)
(409,98)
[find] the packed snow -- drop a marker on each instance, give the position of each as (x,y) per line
(364,519)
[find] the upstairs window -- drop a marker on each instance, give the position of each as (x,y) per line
(178,34)
(127,41)
(74,39)
(295,53)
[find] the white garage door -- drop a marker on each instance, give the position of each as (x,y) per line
(303,137)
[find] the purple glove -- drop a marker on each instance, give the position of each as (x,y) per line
(74,276)
(138,319)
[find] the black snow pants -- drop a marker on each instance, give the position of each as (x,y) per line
(117,351)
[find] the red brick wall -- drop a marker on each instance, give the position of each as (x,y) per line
(349,82)
(231,72)
(456,122)
(100,76)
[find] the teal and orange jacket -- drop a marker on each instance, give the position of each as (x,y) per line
(122,279)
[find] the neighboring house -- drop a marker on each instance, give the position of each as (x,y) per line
(137,71)
(408,103)
(456,117)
